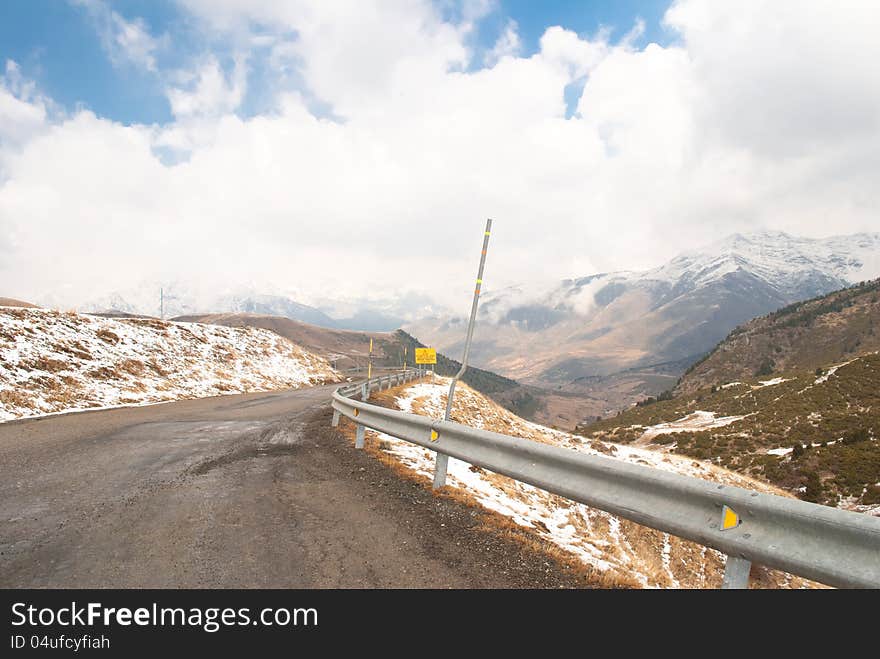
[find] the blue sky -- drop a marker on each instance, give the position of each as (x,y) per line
(57,44)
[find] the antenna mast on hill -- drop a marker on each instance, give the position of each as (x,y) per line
(162,303)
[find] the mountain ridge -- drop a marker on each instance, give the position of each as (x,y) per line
(603,324)
(804,335)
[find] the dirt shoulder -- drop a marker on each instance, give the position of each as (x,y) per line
(484,548)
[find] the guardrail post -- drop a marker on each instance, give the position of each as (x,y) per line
(440,470)
(335,421)
(359,438)
(365,391)
(736,573)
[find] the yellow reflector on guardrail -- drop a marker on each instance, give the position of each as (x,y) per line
(729,519)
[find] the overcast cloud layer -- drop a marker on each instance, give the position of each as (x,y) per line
(379,173)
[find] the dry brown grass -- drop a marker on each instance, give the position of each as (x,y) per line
(11,398)
(73,348)
(48,364)
(156,368)
(132,366)
(63,397)
(107,336)
(104,373)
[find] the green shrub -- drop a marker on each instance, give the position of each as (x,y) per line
(766,367)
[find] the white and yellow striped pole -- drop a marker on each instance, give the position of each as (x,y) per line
(442,458)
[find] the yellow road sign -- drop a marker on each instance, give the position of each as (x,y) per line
(426,356)
(729,519)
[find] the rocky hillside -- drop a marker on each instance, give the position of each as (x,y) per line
(813,432)
(802,336)
(616,552)
(57,362)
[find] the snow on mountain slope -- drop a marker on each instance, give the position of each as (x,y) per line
(780,259)
(559,333)
(58,362)
(620,549)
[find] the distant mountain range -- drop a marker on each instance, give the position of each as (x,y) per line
(609,323)
(180,299)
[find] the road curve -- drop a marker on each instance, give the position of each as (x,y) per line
(250,490)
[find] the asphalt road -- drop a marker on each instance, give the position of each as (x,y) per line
(249,490)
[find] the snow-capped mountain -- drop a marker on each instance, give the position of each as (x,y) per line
(785,262)
(607,323)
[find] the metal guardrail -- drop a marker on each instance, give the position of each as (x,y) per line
(828,545)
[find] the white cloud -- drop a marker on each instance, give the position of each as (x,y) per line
(763,116)
(353,54)
(123,40)
(507,45)
(576,56)
(783,78)
(208,90)
(22,110)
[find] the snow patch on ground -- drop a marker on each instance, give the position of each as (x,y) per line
(694,422)
(770,383)
(831,371)
(53,362)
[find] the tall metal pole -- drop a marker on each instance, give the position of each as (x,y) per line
(369,368)
(162,304)
(442,458)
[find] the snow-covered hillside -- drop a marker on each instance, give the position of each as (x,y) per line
(623,551)
(56,362)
